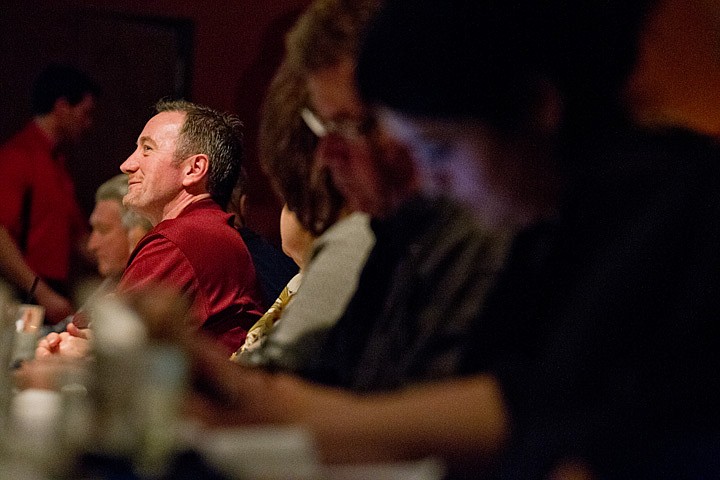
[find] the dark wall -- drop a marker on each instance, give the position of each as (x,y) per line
(219,53)
(678,79)
(223,53)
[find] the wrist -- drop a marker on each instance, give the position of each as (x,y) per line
(33,288)
(41,290)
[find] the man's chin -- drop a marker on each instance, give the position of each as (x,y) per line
(130,202)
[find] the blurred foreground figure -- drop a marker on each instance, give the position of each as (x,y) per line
(75,418)
(432,264)
(342,234)
(596,352)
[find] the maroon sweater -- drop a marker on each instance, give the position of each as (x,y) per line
(205,258)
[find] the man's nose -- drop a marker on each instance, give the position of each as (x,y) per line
(129,165)
(92,242)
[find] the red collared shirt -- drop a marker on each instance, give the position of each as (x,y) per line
(200,254)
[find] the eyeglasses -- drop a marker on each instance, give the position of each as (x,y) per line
(346,128)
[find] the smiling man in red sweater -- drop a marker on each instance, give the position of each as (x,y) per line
(185,166)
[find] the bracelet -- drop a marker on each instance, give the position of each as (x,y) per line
(31,292)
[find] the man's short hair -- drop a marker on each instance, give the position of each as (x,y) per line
(58,81)
(215,134)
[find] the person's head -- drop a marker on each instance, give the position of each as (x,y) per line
(184,151)
(113,237)
(485,91)
(296,239)
(504,57)
(238,200)
(370,171)
(69,96)
(287,148)
(136,227)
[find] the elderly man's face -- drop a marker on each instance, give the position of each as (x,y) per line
(108,241)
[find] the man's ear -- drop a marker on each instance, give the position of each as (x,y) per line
(61,106)
(196,170)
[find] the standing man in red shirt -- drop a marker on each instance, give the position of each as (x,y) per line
(40,220)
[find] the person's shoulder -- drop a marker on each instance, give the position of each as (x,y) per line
(443,218)
(686,162)
(354,225)
(13,144)
(652,153)
(154,241)
(351,234)
(29,137)
(354,220)
(640,167)
(448,232)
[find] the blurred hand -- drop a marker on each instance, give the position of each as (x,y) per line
(228,394)
(73,343)
(75,331)
(44,373)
